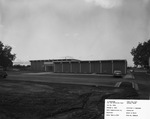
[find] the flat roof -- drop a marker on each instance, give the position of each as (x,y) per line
(54,60)
(75,60)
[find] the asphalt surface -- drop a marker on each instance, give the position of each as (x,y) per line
(141,79)
(83,79)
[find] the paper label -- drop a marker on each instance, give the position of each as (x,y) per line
(127,109)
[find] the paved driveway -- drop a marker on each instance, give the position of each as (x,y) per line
(86,79)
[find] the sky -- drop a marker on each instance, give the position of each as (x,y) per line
(80,29)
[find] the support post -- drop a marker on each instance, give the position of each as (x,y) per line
(80,66)
(90,67)
(70,67)
(101,67)
(54,66)
(62,67)
(112,67)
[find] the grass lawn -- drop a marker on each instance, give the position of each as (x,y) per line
(42,100)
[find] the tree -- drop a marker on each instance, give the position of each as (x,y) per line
(6,57)
(141,54)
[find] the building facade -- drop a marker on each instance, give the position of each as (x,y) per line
(78,66)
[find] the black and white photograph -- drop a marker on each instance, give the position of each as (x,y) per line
(74,59)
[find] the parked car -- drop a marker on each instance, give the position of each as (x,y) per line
(3,73)
(117,73)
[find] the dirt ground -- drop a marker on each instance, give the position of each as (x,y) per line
(41,100)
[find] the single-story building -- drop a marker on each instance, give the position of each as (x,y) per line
(79,66)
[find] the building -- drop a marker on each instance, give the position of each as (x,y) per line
(46,65)
(79,66)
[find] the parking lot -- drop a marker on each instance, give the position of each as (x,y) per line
(86,79)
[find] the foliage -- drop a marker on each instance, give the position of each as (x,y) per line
(22,67)
(141,54)
(6,57)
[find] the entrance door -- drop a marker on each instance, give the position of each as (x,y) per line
(49,68)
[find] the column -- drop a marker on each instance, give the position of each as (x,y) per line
(90,67)
(70,67)
(100,63)
(112,67)
(80,66)
(62,67)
